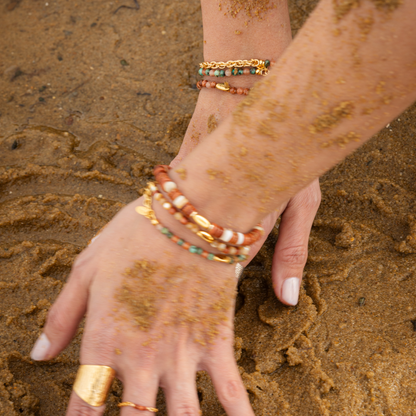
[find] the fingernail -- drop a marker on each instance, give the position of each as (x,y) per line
(41,348)
(93,239)
(238,270)
(290,290)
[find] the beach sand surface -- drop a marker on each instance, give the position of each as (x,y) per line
(94,94)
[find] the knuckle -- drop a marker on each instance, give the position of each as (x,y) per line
(230,392)
(186,409)
(82,273)
(317,196)
(311,199)
(99,342)
(147,359)
(80,261)
(314,195)
(82,266)
(77,270)
(308,199)
(56,320)
(294,255)
(80,408)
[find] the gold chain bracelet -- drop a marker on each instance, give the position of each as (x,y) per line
(262,66)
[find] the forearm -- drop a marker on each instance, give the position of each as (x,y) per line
(241,37)
(338,83)
(233,38)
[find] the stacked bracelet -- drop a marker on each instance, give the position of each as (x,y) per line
(224,248)
(189,211)
(148,212)
(227,69)
(234,246)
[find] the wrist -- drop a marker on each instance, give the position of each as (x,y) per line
(206,190)
(262,39)
(185,231)
(213,106)
(241,37)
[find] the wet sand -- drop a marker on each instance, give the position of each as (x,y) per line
(92,96)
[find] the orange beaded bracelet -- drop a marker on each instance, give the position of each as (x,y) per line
(223,247)
(189,211)
(147,211)
(222,87)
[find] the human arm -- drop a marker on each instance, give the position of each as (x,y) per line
(129,237)
(335,86)
(243,37)
(112,339)
(230,38)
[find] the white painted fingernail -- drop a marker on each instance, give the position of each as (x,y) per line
(238,270)
(93,239)
(41,348)
(290,290)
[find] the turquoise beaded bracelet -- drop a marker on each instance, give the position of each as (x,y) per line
(148,212)
(226,72)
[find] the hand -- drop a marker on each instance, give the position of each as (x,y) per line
(291,250)
(155,313)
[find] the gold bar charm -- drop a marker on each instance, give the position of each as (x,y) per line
(223,87)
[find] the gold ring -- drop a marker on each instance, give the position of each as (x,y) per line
(138,407)
(93,383)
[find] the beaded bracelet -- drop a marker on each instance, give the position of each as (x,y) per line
(222,86)
(260,66)
(181,203)
(148,212)
(227,72)
(224,248)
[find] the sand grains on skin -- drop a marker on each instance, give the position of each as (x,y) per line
(343,7)
(175,295)
(252,9)
(48,214)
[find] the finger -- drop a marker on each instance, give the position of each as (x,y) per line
(77,407)
(97,348)
(64,316)
(180,389)
(291,251)
(227,381)
(140,387)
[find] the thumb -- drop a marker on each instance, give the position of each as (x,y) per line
(291,251)
(64,316)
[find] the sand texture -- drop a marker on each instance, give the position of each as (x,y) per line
(92,96)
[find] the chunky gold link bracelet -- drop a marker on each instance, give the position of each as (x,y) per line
(260,65)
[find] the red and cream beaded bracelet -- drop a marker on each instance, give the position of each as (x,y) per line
(224,248)
(189,211)
(147,211)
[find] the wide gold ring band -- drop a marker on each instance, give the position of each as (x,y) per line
(93,383)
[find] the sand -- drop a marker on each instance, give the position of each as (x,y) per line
(92,96)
